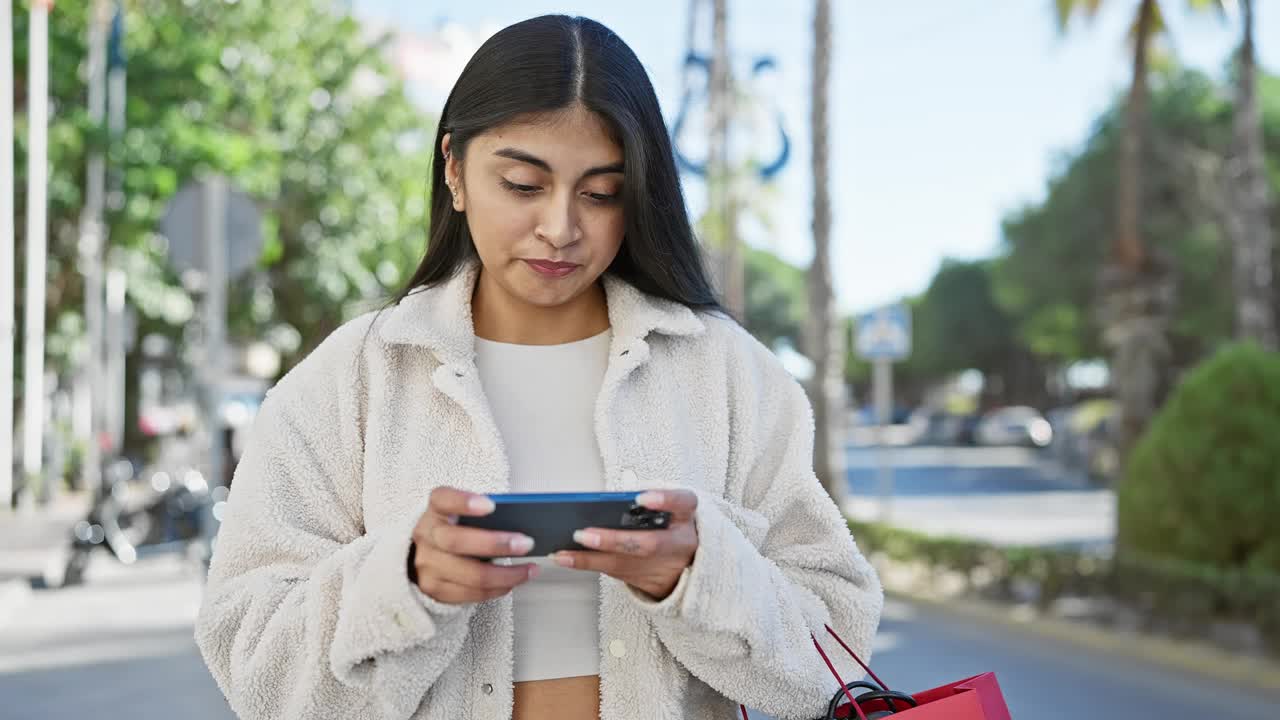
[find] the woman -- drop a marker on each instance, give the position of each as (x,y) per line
(559,335)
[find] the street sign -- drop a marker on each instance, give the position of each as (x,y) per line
(184,225)
(885,333)
(883,336)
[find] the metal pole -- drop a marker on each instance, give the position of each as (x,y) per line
(215,316)
(10,279)
(113,385)
(882,380)
(115,377)
(92,239)
(33,381)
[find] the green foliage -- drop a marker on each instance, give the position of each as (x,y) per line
(1175,595)
(776,299)
(1044,282)
(1203,484)
(1054,250)
(296,104)
(958,325)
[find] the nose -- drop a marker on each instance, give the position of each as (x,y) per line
(558,225)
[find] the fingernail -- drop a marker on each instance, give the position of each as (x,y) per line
(588,539)
(650,498)
(480,504)
(564,560)
(533,571)
(521,544)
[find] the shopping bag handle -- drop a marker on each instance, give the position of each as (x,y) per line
(857,659)
(831,666)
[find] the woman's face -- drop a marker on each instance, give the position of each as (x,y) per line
(543,203)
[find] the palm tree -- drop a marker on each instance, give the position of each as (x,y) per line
(1127,248)
(826,335)
(721,191)
(1137,290)
(1248,222)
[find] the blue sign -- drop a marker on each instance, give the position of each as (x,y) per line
(884,334)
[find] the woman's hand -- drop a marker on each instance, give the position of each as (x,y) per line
(442,559)
(650,561)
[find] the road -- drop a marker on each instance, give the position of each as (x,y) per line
(121,647)
(1049,680)
(1001,495)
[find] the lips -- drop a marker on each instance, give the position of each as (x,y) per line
(551,268)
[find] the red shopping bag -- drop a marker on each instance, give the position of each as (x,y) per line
(974,698)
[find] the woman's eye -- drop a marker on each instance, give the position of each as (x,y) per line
(520,189)
(603,198)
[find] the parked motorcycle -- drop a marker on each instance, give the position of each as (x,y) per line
(139,514)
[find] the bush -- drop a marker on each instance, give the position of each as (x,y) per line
(1184,597)
(1203,484)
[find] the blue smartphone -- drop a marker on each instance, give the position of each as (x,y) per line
(551,518)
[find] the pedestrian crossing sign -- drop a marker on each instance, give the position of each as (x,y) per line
(884,334)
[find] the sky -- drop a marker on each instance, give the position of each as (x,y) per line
(945,116)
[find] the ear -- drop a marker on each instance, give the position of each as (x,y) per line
(452,173)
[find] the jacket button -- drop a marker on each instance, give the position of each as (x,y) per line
(629,477)
(487,689)
(618,649)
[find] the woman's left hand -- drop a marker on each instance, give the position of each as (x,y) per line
(650,561)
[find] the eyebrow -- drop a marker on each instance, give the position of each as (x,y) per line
(524,157)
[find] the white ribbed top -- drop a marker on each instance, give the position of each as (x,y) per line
(543,401)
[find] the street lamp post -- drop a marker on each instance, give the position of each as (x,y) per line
(33,384)
(10,279)
(92,240)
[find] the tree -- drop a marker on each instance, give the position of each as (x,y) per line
(826,332)
(776,299)
(1137,294)
(721,189)
(296,103)
(959,326)
(1046,275)
(1249,223)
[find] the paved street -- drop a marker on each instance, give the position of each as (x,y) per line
(1044,680)
(121,648)
(1001,495)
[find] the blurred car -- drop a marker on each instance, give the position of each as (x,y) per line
(939,427)
(1083,439)
(866,416)
(1018,425)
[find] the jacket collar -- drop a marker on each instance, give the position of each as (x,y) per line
(439,317)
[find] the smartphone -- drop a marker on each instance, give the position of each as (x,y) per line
(551,518)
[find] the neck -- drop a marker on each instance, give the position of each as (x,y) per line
(499,317)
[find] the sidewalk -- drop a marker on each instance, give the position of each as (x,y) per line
(30,540)
(1083,519)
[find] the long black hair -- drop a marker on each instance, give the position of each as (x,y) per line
(551,63)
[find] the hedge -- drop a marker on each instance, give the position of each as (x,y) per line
(1181,596)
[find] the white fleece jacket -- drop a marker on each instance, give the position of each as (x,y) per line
(309,613)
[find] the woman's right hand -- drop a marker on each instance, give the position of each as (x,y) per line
(444,555)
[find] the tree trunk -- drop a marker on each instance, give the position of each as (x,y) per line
(1128,251)
(1136,285)
(826,335)
(1249,223)
(722,206)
